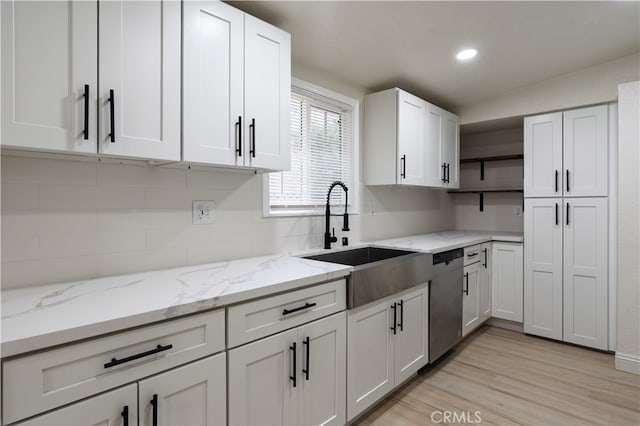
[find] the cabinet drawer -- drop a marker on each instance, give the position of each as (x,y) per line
(254,320)
(45,380)
(472,254)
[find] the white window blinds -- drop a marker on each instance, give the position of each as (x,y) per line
(321,153)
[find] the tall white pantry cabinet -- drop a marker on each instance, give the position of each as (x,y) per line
(566,226)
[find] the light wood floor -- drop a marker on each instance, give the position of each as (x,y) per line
(512,378)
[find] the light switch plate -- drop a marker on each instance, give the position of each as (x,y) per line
(204,212)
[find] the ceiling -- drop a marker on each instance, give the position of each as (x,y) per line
(412,45)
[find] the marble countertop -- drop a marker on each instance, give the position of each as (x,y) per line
(38,317)
(448,240)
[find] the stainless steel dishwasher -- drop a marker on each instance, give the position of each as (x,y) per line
(445,302)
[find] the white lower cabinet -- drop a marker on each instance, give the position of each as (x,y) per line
(470,298)
(484,282)
(194,394)
(117,407)
(566,278)
(293,377)
(387,344)
(507,281)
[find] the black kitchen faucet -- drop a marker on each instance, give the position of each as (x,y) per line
(329,238)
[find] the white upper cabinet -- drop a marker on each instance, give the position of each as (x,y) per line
(409,141)
(237,88)
(543,155)
(585,152)
(139,101)
(213,83)
(267,93)
(565,153)
(585,271)
(49,75)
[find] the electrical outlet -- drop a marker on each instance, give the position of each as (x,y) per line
(204,212)
(517,211)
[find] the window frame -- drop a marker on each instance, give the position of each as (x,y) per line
(354,191)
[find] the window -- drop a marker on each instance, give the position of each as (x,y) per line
(322,152)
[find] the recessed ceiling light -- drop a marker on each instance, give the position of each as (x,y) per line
(466,54)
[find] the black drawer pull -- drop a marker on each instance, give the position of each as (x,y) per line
(158,348)
(299,308)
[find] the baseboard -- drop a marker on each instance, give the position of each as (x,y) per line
(506,324)
(627,362)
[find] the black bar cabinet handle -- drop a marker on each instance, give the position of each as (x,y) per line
(158,348)
(556,214)
(252,136)
(401,323)
(568,190)
(299,308)
(485,258)
(403,167)
(85,128)
(239,127)
(567,214)
(292,348)
(125,415)
(395,317)
(444,172)
(557,174)
(112,112)
(466,287)
(307,344)
(448,172)
(154,409)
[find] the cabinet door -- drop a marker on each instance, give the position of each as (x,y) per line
(543,267)
(370,354)
(484,282)
(543,155)
(194,394)
(411,139)
(451,148)
(267,93)
(585,152)
(213,83)
(470,298)
(434,163)
(585,272)
(49,54)
(261,391)
(140,62)
(323,371)
(108,409)
(507,281)
(411,339)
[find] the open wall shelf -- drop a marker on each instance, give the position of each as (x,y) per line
(481,193)
(482,160)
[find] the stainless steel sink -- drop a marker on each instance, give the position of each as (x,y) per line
(380,272)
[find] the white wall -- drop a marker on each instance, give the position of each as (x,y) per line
(628,308)
(65,220)
(597,84)
(498,214)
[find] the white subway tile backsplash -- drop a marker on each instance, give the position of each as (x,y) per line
(141,176)
(79,244)
(47,221)
(144,260)
(46,271)
(40,170)
(15,248)
(216,179)
(141,219)
(19,196)
(90,197)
